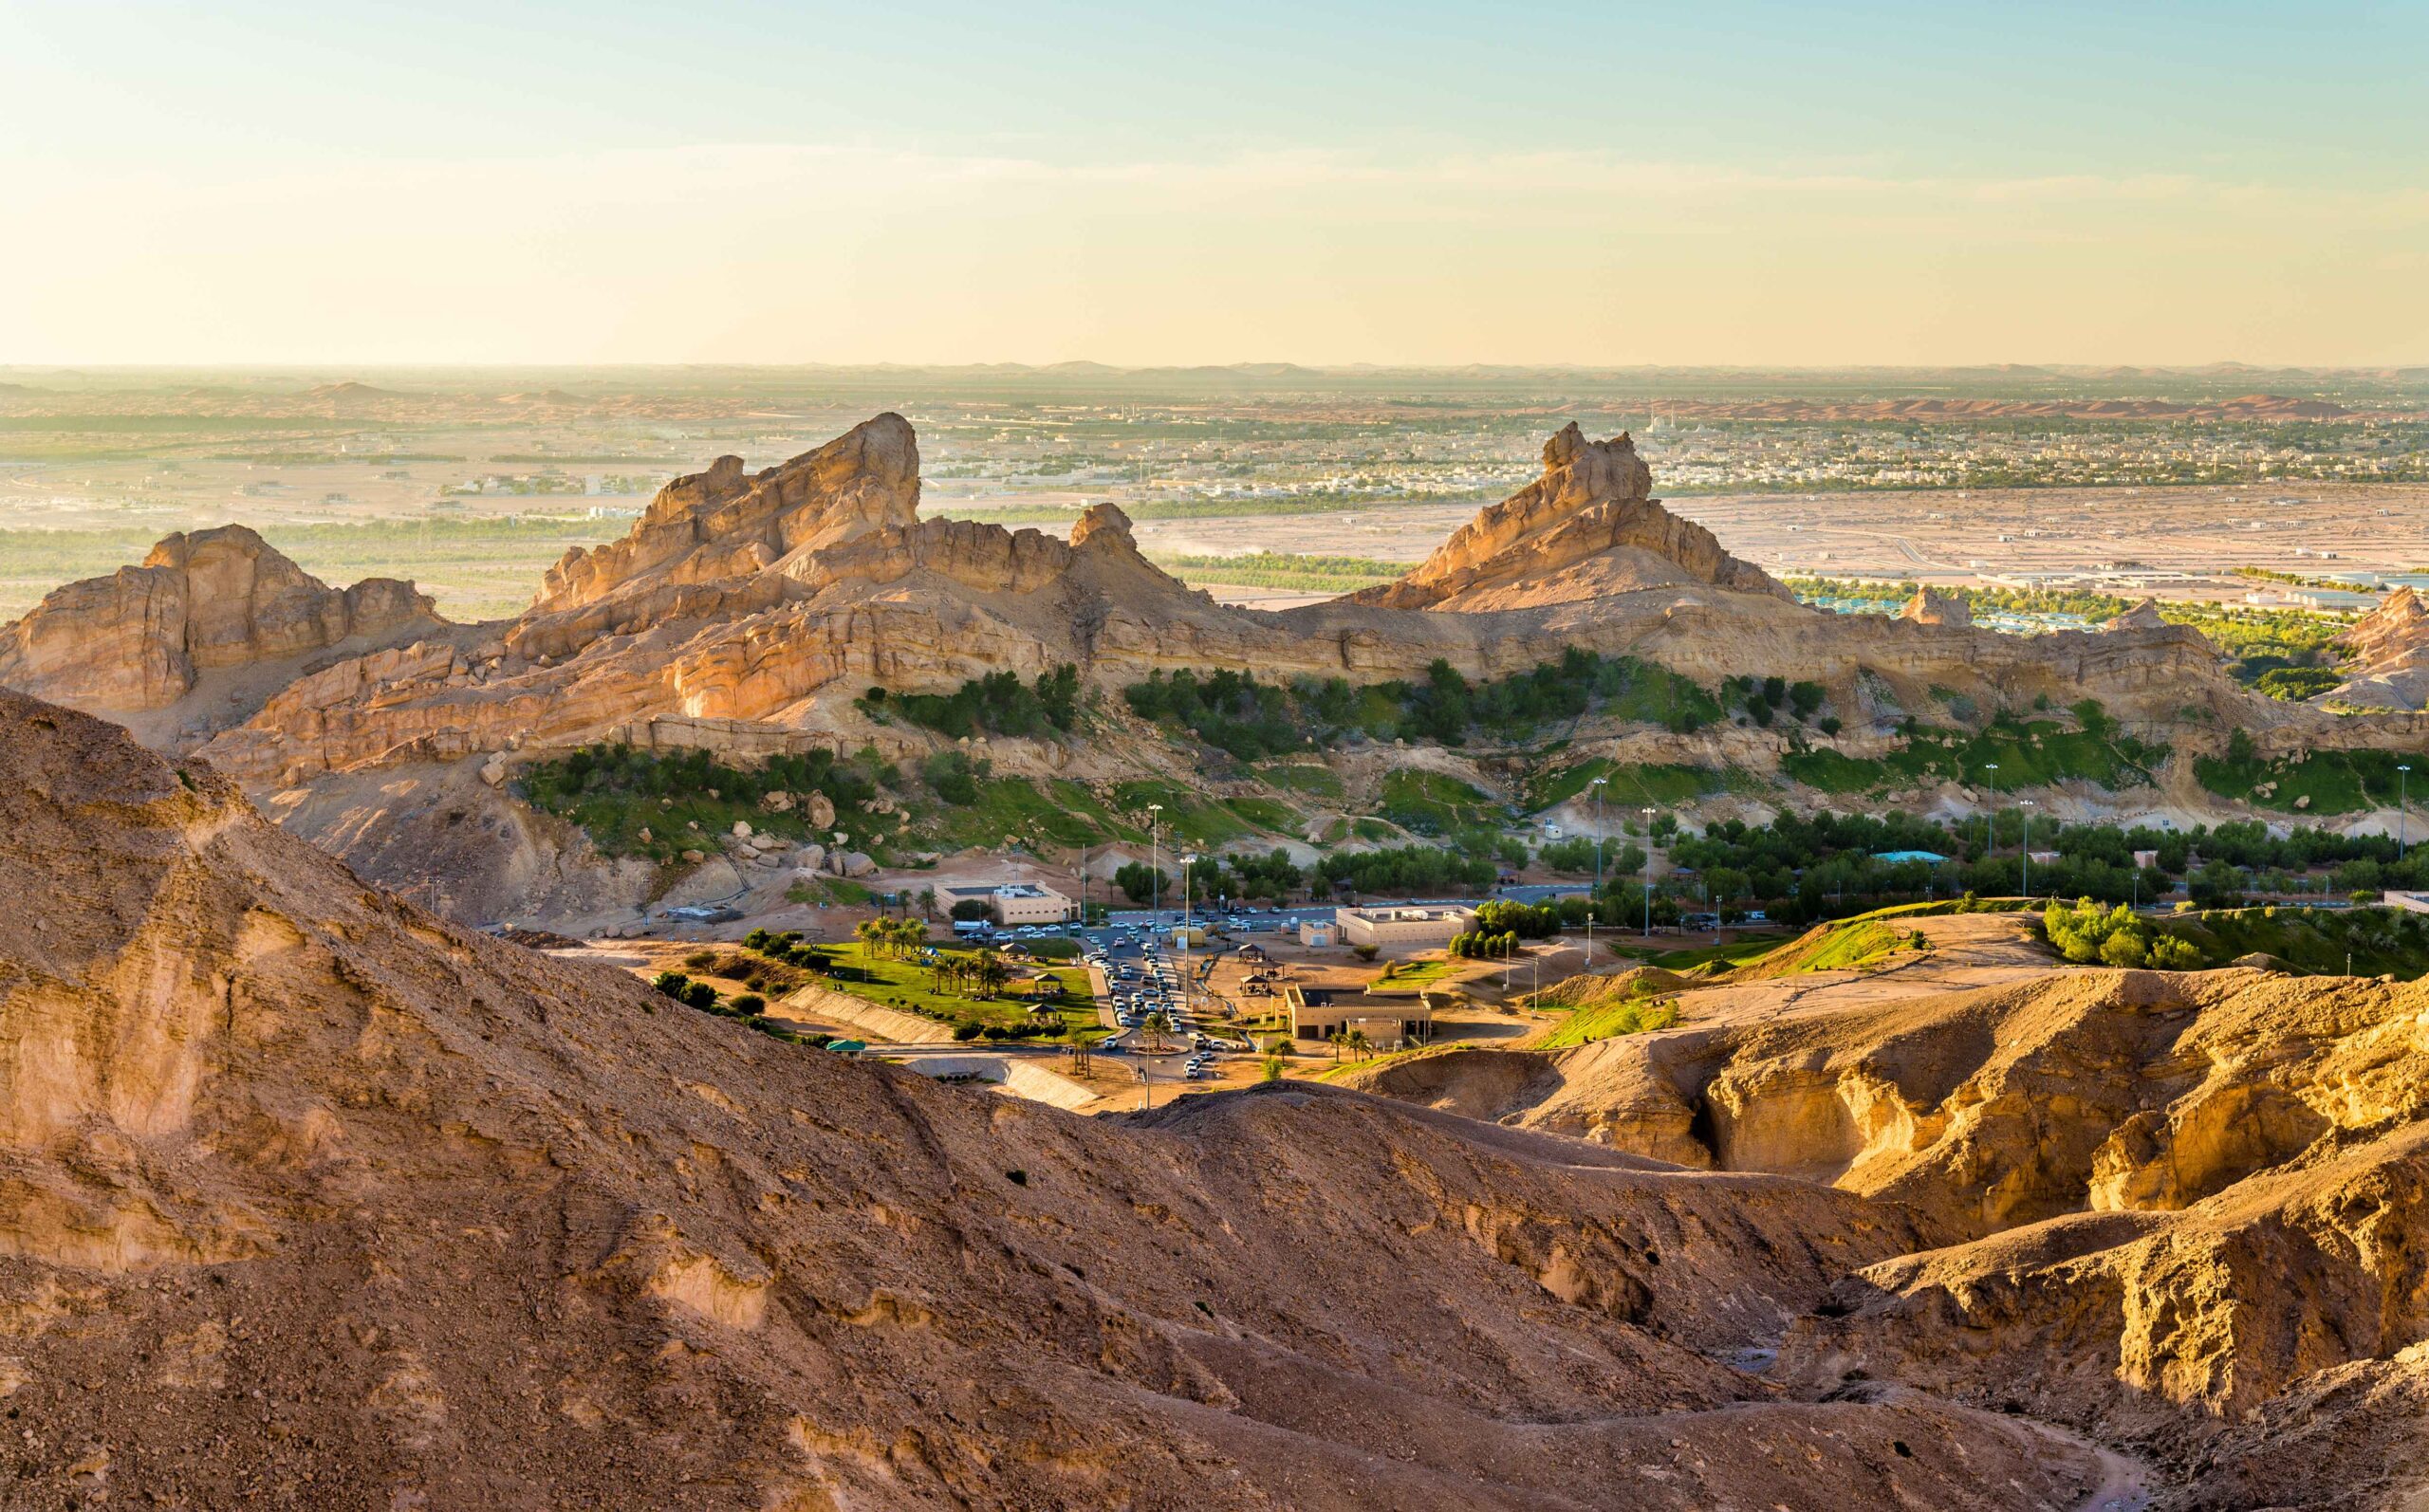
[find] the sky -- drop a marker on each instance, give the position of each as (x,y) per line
(1143,183)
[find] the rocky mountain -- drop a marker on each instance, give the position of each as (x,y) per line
(143,637)
(1587,528)
(2184,1211)
(750,613)
(773,600)
(2390,650)
(1931,607)
(315,1201)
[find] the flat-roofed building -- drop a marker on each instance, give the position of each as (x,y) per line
(1410,927)
(1389,1021)
(1015,903)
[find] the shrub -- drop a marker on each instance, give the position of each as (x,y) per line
(1366,952)
(700,960)
(966,1031)
(750,1003)
(674,983)
(700,995)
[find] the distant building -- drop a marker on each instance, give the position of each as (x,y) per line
(1015,903)
(1403,929)
(1318,932)
(1388,1022)
(2145,860)
(1898,857)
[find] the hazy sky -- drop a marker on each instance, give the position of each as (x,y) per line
(1697,183)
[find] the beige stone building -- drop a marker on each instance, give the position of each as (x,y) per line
(1390,1020)
(1403,929)
(1015,903)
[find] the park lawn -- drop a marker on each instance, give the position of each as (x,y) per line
(1412,977)
(907,983)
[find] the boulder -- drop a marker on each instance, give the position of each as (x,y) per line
(822,811)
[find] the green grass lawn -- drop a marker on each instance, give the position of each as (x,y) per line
(1731,953)
(1189,818)
(1605,1021)
(1412,977)
(908,984)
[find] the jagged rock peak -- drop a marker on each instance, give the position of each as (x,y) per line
(138,639)
(2143,616)
(1931,607)
(1588,527)
(729,523)
(1103,522)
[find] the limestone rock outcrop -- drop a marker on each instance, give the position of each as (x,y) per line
(314,1200)
(1931,607)
(2143,616)
(141,638)
(1589,526)
(2168,1208)
(2389,647)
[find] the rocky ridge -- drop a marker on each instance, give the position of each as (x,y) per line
(142,637)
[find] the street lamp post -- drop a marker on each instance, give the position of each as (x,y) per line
(1186,862)
(1155,867)
(1989,831)
(1648,872)
(1589,939)
(2024,806)
(2402,768)
(1597,788)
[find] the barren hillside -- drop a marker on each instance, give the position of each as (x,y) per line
(314,1201)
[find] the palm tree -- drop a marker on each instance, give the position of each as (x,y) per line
(872,934)
(1338,1040)
(1358,1043)
(1157,1025)
(914,935)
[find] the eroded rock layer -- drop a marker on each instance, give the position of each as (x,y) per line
(140,638)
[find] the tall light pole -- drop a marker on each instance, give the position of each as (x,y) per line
(1186,862)
(2024,805)
(1596,787)
(1155,867)
(1589,939)
(1989,831)
(2402,768)
(1648,872)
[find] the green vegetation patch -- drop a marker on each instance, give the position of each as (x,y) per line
(926,983)
(2333,782)
(1426,802)
(997,704)
(1609,1021)
(2379,941)
(616,793)
(2028,753)
(1661,785)
(1304,777)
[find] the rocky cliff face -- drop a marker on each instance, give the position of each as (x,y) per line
(2390,651)
(1588,528)
(312,1200)
(2182,1210)
(1930,607)
(140,638)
